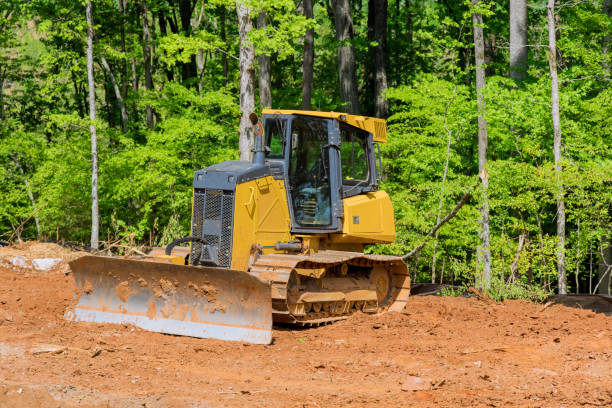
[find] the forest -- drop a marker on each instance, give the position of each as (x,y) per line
(509,101)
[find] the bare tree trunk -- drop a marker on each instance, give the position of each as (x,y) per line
(439,225)
(265,95)
(484,252)
(122,10)
(605,266)
(607,9)
(224,39)
(518,39)
(200,67)
(381,108)
(30,195)
(188,69)
(554,84)
(92,129)
(517,257)
(591,263)
(200,60)
(134,76)
(124,115)
(146,53)
(346,55)
(1,95)
(604,283)
(308,61)
(441,202)
(247,94)
(578,260)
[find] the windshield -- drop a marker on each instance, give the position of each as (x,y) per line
(309,171)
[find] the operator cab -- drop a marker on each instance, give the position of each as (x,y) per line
(322,158)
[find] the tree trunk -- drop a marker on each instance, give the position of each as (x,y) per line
(1,95)
(346,56)
(308,61)
(30,195)
(605,265)
(578,260)
(381,107)
(224,39)
(484,252)
(247,94)
(146,53)
(134,76)
(554,84)
(122,10)
(124,115)
(439,225)
(188,69)
(441,202)
(92,130)
(607,9)
(518,39)
(265,95)
(517,257)
(200,59)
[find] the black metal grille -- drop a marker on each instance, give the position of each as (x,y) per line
(213,207)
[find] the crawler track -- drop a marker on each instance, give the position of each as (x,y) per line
(331,285)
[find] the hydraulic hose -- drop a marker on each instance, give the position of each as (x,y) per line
(174,243)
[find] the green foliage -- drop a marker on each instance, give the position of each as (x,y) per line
(146,173)
(501,290)
(452,291)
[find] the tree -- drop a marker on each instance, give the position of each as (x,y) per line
(554,90)
(518,39)
(118,96)
(378,12)
(607,10)
(346,55)
(247,96)
(265,95)
(95,218)
(484,253)
(308,59)
(146,54)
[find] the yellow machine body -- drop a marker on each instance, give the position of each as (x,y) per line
(262,217)
(377,127)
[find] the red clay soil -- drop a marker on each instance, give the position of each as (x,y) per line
(439,351)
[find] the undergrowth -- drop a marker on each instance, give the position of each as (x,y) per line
(502,290)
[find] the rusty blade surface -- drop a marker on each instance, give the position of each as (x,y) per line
(185,300)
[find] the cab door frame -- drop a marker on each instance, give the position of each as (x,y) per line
(335,181)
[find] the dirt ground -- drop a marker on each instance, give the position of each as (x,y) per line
(439,351)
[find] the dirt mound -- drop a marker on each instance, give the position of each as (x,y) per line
(21,257)
(439,351)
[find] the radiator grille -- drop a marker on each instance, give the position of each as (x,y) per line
(213,208)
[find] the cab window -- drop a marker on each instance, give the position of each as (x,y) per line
(353,155)
(275,137)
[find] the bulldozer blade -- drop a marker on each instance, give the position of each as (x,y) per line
(192,301)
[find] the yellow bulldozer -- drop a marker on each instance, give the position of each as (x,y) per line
(280,238)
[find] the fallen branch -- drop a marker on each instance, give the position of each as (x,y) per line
(444,220)
(602,278)
(26,220)
(514,265)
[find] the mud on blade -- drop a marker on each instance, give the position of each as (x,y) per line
(186,300)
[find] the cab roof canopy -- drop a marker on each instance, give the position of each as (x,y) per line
(377,127)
